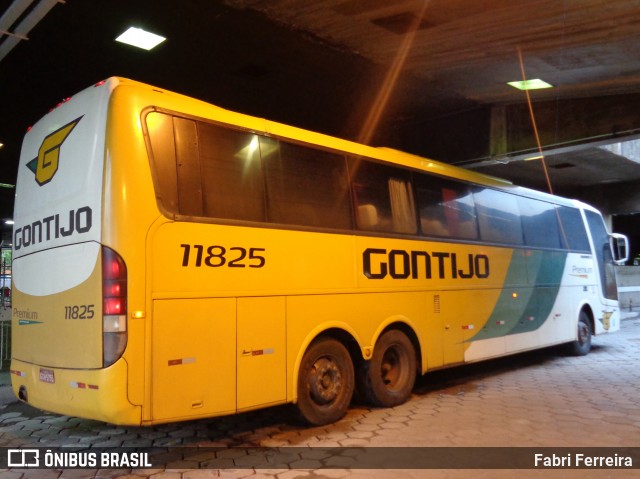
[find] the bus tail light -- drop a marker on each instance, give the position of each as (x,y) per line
(114,306)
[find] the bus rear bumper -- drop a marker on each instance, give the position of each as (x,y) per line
(99,394)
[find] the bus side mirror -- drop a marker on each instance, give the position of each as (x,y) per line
(619,248)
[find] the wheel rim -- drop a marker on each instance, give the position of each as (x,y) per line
(393,367)
(583,333)
(325,381)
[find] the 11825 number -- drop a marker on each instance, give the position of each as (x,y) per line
(216,256)
(80,311)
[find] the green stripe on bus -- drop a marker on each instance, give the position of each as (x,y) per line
(532,306)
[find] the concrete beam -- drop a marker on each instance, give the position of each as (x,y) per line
(493,133)
(563,124)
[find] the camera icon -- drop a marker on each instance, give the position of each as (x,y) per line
(23,458)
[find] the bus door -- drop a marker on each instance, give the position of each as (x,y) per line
(604,258)
(604,255)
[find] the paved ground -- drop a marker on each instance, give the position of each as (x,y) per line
(538,399)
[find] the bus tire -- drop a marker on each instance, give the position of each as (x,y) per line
(582,345)
(325,382)
(387,379)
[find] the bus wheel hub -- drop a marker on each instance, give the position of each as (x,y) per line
(325,381)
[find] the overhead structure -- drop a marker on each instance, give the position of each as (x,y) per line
(330,65)
(18,20)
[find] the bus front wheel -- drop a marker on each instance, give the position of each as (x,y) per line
(325,382)
(388,378)
(582,345)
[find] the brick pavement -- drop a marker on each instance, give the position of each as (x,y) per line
(537,399)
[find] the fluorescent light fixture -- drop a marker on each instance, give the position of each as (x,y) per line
(531,158)
(535,84)
(140,38)
(9,222)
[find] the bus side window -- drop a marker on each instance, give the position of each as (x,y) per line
(604,257)
(498,217)
(540,223)
(383,198)
(446,209)
(305,186)
(574,233)
(163,160)
(188,167)
(176,163)
(204,170)
(367,217)
(231,171)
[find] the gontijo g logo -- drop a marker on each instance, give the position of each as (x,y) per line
(46,164)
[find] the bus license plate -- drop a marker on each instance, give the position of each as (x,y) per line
(47,376)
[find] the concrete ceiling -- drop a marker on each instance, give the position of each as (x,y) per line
(457,54)
(424,76)
(470,48)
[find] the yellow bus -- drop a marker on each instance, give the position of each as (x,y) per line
(173,260)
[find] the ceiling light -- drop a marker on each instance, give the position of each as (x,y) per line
(535,84)
(140,38)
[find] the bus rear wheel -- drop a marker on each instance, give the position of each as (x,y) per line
(325,382)
(388,378)
(582,345)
